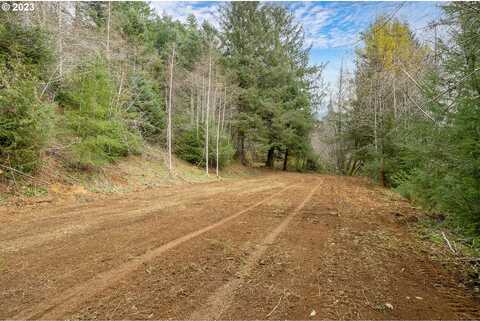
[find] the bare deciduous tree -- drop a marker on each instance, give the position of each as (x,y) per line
(207,111)
(169,113)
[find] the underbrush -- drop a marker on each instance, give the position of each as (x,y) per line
(452,249)
(56,180)
(190,146)
(25,124)
(25,118)
(93,125)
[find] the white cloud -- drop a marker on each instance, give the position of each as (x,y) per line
(180,11)
(313,19)
(334,26)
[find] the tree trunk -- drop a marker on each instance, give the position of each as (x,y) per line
(169,124)
(207,111)
(192,106)
(382,173)
(229,123)
(224,106)
(108,30)
(218,140)
(60,38)
(394,103)
(285,160)
(241,149)
(269,162)
(202,111)
(375,138)
(199,106)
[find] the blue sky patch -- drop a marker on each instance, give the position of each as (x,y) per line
(332,28)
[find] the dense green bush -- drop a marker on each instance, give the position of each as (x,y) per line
(307,161)
(24,119)
(463,181)
(313,163)
(191,147)
(93,120)
(24,126)
(450,181)
(438,164)
(24,50)
(148,106)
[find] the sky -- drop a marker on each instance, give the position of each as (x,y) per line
(332,28)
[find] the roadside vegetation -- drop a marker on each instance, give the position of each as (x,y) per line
(408,116)
(93,82)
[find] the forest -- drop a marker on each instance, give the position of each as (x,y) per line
(89,83)
(409,115)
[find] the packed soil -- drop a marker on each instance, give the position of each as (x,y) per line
(274,246)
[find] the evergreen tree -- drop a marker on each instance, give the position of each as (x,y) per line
(25,120)
(265,47)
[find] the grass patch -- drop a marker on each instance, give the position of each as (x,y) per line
(34,191)
(465,260)
(431,228)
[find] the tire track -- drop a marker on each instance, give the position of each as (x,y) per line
(85,224)
(74,297)
(221,300)
(49,215)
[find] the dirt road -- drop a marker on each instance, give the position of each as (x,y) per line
(282,246)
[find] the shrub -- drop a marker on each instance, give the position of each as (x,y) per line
(24,126)
(24,119)
(93,121)
(147,105)
(24,48)
(439,168)
(313,163)
(191,148)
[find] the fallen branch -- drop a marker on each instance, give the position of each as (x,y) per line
(471,259)
(448,243)
(423,111)
(48,82)
(22,173)
(275,307)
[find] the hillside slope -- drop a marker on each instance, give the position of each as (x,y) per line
(58,184)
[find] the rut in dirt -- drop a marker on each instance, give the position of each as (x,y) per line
(276,247)
(77,295)
(222,298)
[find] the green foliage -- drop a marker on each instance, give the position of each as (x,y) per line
(25,123)
(437,163)
(446,177)
(95,10)
(148,107)
(442,169)
(33,190)
(134,19)
(378,115)
(25,51)
(25,120)
(310,162)
(99,120)
(187,38)
(95,124)
(265,48)
(413,122)
(464,179)
(190,146)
